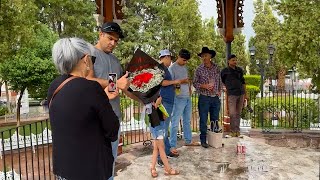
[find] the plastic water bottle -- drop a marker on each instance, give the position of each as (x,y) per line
(178,89)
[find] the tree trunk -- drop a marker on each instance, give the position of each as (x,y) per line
(18,106)
(281,80)
(8,97)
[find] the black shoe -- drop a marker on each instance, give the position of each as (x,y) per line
(172,155)
(205,145)
(160,163)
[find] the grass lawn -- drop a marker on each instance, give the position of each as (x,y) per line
(35,128)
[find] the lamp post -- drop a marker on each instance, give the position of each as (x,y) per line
(294,69)
(252,51)
(271,50)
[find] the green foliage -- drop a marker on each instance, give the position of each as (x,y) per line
(27,71)
(3,110)
(69,18)
(252,91)
(17,20)
(239,49)
(152,25)
(252,80)
(266,27)
(25,130)
(299,111)
(299,40)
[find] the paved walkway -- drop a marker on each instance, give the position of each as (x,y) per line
(262,161)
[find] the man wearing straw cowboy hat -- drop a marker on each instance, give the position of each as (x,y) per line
(207,82)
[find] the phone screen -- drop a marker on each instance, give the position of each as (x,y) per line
(112,82)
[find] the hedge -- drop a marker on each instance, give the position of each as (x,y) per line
(252,80)
(299,111)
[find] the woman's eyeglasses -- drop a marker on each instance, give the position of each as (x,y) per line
(93,58)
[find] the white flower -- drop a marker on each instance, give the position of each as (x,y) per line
(143,87)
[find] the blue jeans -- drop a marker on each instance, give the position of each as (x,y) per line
(167,146)
(181,107)
(207,104)
(114,146)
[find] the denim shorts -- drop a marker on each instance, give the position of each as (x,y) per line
(158,131)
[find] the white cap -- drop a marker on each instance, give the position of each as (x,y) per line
(164,52)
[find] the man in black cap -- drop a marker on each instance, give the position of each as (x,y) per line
(106,63)
(207,82)
(232,78)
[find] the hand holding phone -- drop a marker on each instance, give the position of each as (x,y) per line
(112,82)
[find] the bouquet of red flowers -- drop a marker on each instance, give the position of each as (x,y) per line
(146,76)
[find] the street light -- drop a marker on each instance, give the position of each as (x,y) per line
(271,50)
(252,50)
(294,69)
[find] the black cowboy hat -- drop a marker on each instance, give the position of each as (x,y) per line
(207,50)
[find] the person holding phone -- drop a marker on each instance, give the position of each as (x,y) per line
(107,64)
(82,120)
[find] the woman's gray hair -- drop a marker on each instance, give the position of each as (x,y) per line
(67,53)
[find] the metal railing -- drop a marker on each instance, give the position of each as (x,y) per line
(25,151)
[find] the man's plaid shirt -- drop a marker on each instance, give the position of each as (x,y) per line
(202,76)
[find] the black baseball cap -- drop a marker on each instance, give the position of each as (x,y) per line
(231,56)
(185,54)
(112,27)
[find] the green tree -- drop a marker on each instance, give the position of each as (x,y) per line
(17,20)
(300,36)
(15,29)
(153,25)
(42,48)
(26,71)
(239,49)
(266,27)
(69,18)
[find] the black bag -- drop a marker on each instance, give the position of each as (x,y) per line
(155,117)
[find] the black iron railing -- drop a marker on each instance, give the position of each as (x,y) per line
(25,151)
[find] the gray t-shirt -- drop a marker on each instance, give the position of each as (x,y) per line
(105,64)
(180,72)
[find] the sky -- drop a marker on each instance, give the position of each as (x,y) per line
(208,9)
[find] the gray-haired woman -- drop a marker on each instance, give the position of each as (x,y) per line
(82,120)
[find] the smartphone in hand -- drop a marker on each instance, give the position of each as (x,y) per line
(112,82)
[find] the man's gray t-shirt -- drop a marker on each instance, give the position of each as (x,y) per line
(180,72)
(107,63)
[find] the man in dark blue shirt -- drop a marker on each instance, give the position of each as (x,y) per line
(167,92)
(232,78)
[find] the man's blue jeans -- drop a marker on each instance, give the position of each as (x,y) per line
(181,107)
(114,146)
(207,104)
